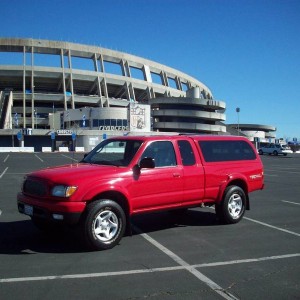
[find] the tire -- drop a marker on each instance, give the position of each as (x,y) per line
(103,224)
(232,208)
(260,152)
(275,153)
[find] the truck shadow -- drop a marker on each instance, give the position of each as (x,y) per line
(22,238)
(164,220)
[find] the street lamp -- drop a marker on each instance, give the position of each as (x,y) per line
(238,111)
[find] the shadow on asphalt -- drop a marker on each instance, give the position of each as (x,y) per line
(22,238)
(164,220)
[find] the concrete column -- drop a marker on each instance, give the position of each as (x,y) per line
(131,92)
(178,83)
(32,90)
(103,83)
(127,91)
(127,68)
(71,80)
(8,122)
(147,73)
(95,62)
(101,63)
(164,78)
(123,68)
(24,87)
(63,78)
(150,93)
(98,80)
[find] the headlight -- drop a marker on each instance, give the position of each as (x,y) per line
(63,191)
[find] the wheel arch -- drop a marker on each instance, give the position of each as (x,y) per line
(116,196)
(240,183)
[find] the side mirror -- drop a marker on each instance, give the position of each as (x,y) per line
(147,163)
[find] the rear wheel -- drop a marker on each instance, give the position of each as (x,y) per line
(275,153)
(260,152)
(103,224)
(232,208)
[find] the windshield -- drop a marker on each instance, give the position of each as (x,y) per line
(113,152)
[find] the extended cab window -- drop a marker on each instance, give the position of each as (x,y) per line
(187,153)
(162,152)
(214,151)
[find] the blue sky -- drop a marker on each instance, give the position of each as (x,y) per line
(246,51)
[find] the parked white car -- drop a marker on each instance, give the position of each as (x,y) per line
(274,149)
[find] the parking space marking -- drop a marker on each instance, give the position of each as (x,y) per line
(6,158)
(242,261)
(38,157)
(214,286)
(144,271)
(69,157)
(3,172)
(271,226)
(290,202)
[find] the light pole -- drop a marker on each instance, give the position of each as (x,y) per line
(238,116)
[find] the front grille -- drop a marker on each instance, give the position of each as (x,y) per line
(34,187)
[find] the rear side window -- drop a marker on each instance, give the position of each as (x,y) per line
(187,153)
(214,151)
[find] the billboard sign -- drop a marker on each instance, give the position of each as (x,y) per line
(139,117)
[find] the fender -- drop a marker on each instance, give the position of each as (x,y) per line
(104,186)
(233,179)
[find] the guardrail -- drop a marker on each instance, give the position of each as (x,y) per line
(44,149)
(17,149)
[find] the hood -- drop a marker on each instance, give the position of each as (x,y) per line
(76,172)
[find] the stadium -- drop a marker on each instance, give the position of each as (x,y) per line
(54,92)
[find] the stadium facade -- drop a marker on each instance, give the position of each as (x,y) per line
(58,87)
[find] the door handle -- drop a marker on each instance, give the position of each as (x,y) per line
(177,175)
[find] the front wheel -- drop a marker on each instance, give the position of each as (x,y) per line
(103,224)
(232,208)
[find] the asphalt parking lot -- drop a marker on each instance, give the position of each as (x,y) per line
(167,257)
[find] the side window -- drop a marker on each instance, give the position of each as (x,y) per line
(162,152)
(214,151)
(187,153)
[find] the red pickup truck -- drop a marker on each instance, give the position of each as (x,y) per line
(127,175)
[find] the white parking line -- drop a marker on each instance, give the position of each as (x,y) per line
(274,227)
(143,271)
(3,172)
(69,157)
(214,286)
(39,158)
(6,158)
(290,202)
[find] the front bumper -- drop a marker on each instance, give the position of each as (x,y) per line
(63,212)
